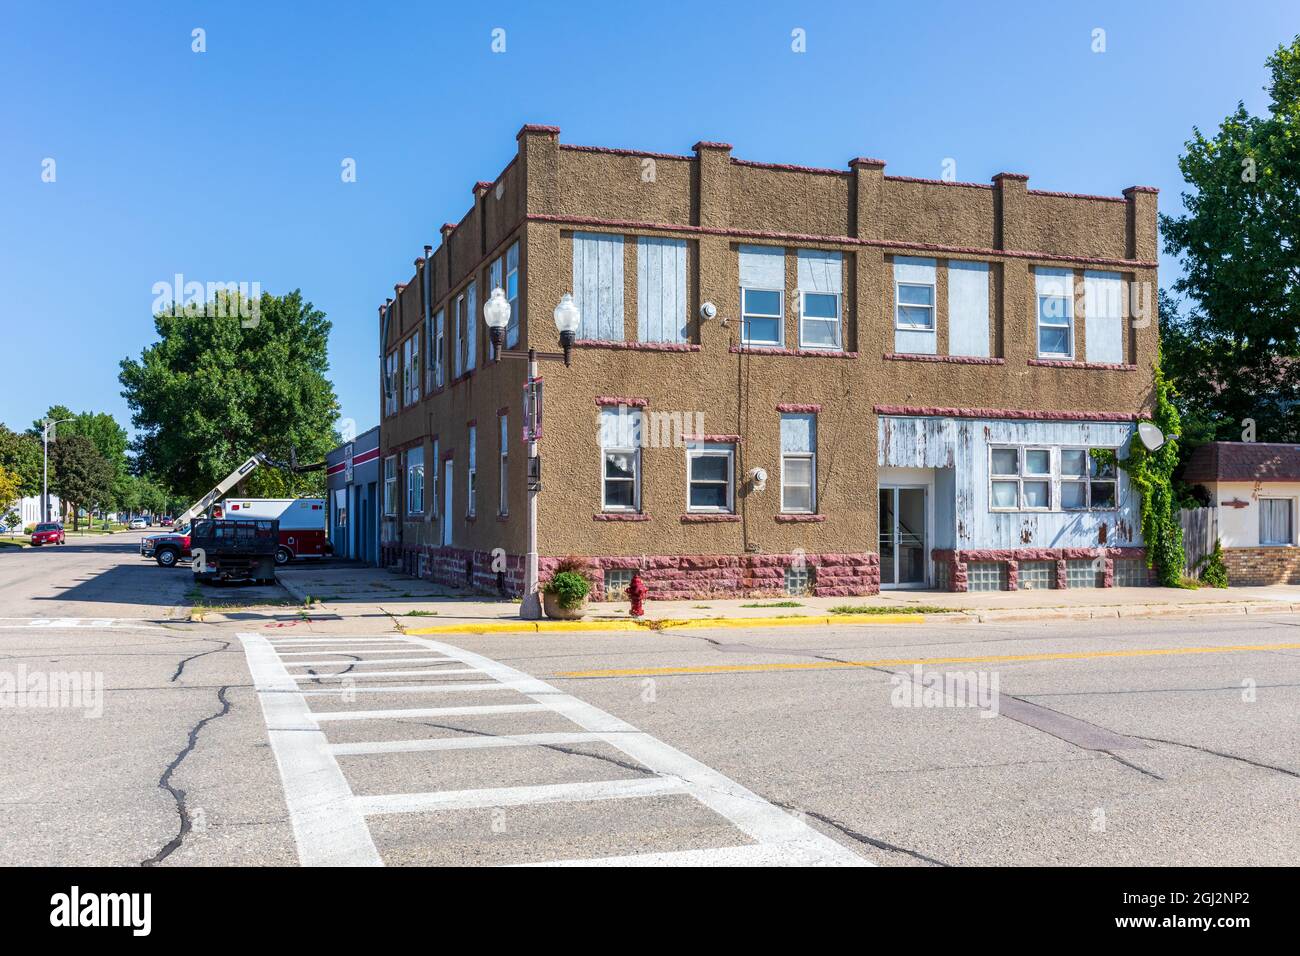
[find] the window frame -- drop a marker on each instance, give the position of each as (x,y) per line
(1291,510)
(391,399)
(1067,324)
(1056,479)
(471,472)
(512,329)
(412,472)
(838,345)
(634,450)
(390,486)
(696,450)
(503,466)
(899,305)
(434,503)
(779,316)
(439,345)
(811,458)
(458,320)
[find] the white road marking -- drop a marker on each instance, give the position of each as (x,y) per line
(791,853)
(355,641)
(326,825)
(519,796)
(780,837)
(81,623)
(477,742)
(452,687)
(387,660)
(402,650)
(401,713)
(370,675)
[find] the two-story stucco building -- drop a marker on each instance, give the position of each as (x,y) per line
(919,369)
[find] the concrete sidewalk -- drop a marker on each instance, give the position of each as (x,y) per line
(349,589)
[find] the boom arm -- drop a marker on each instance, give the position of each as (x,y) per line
(222,487)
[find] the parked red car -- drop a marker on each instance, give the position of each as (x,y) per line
(47,532)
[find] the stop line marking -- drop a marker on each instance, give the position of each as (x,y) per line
(329,821)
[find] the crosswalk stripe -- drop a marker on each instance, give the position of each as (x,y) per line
(453,687)
(370,675)
(790,853)
(477,742)
(518,796)
(403,712)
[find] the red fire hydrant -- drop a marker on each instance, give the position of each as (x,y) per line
(637,591)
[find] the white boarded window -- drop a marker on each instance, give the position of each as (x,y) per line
(1275,521)
(799,463)
(762,295)
(821,292)
(1055,294)
(660,290)
(915,320)
(968,308)
(1103,316)
(598,285)
(620,451)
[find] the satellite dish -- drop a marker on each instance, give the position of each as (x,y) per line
(1151,436)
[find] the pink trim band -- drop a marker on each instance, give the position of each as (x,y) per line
(1101,366)
(796,407)
(1026,414)
(712,438)
(954,359)
(709,519)
(615,400)
(638,346)
(796,353)
(618,516)
(800,519)
(937,182)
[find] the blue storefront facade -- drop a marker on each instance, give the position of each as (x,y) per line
(352,471)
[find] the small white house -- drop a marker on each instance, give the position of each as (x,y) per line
(1254,490)
(29,511)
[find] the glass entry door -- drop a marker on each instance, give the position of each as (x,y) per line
(902,537)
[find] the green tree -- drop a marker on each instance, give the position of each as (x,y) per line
(9,495)
(212,392)
(109,437)
(82,477)
(1237,351)
(21,454)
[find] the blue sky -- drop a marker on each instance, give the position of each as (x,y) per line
(225,165)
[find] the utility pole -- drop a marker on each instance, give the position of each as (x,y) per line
(46,425)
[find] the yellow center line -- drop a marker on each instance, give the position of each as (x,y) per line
(909,661)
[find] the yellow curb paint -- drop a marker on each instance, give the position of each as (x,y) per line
(910,661)
(532,627)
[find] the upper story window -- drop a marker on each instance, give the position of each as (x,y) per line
(1055,294)
(1103,317)
(710,477)
(496,276)
(598,284)
(458,337)
(762,295)
(821,287)
(437,359)
(472,319)
(799,463)
(512,294)
(915,313)
(415,481)
(660,290)
(411,370)
(968,308)
(390,383)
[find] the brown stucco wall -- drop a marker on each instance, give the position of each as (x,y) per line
(717,203)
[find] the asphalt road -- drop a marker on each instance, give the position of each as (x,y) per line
(267,736)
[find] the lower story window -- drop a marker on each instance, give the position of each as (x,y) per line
(1083,573)
(617,581)
(1036,575)
(798,581)
(986,576)
(415,481)
(390,485)
(1275,521)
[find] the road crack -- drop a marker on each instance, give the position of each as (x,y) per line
(225,645)
(164,782)
(860,837)
(568,751)
(1219,753)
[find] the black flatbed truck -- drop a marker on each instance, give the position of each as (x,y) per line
(227,549)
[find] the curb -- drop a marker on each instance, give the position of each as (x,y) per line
(667,624)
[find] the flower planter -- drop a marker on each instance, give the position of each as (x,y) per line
(551,605)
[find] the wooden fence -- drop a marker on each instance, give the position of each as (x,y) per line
(1200,531)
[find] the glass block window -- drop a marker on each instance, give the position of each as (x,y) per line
(1081,573)
(1131,573)
(617,581)
(1036,575)
(986,576)
(798,581)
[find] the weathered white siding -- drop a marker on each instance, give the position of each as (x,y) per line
(660,290)
(598,284)
(1103,311)
(959,448)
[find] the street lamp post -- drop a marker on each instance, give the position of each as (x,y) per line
(496,313)
(46,425)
